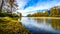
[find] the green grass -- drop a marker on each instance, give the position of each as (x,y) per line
(11,26)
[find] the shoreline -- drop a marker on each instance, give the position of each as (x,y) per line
(10,26)
(47,17)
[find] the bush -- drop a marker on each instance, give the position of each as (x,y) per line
(4,14)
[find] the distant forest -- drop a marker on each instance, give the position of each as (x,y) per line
(53,12)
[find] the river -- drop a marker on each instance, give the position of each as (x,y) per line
(41,25)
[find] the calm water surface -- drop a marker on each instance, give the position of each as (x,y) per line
(41,25)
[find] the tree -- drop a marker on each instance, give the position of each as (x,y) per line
(55,11)
(29,15)
(8,5)
(2,2)
(12,4)
(46,13)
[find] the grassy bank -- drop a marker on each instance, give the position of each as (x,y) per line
(47,17)
(9,25)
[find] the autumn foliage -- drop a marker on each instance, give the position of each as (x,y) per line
(54,12)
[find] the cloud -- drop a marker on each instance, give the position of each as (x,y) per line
(21,3)
(31,3)
(26,6)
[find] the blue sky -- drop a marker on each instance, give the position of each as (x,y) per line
(29,6)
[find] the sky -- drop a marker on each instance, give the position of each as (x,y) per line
(29,6)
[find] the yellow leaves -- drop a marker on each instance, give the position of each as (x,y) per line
(38,14)
(54,11)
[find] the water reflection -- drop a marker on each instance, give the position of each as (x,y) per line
(55,23)
(41,25)
(39,20)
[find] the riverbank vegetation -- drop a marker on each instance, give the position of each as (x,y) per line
(11,26)
(53,12)
(9,23)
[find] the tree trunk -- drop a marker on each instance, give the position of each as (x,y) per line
(11,10)
(1,5)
